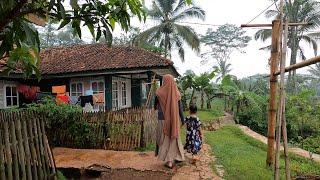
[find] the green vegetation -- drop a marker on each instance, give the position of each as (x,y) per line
(243,157)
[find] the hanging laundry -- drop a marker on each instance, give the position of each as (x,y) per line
(86,99)
(29,92)
(59,89)
(62,99)
(88,108)
(88,92)
(98,98)
(74,100)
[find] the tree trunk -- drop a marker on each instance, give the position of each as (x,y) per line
(191,99)
(184,101)
(202,99)
(208,104)
(294,46)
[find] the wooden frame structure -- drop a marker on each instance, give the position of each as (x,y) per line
(276,112)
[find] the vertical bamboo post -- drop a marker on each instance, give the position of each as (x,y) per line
(273,91)
(41,147)
(14,147)
(281,112)
(37,147)
(2,160)
(142,139)
(8,150)
(22,151)
(26,147)
(34,158)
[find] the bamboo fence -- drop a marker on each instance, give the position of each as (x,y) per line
(126,129)
(24,148)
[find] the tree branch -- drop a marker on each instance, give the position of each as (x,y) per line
(12,14)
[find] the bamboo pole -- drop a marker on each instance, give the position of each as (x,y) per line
(8,150)
(2,160)
(14,147)
(42,152)
(26,147)
(281,109)
(151,91)
(302,64)
(37,147)
(283,121)
(273,91)
(34,158)
(270,25)
(22,151)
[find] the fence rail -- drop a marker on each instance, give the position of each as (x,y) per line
(24,147)
(113,130)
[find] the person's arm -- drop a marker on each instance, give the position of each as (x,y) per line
(181,113)
(156,102)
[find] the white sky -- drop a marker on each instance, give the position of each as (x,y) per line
(233,12)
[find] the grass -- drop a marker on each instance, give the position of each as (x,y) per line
(244,157)
(208,115)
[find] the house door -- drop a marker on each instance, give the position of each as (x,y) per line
(97,88)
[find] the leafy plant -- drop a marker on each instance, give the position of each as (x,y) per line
(64,120)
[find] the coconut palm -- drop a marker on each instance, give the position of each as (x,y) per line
(297,11)
(168,33)
(315,71)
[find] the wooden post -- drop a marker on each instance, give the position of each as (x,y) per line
(142,139)
(8,150)
(273,91)
(282,115)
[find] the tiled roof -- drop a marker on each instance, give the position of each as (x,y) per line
(95,57)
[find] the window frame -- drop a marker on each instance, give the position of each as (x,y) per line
(11,97)
(76,83)
(125,83)
(117,93)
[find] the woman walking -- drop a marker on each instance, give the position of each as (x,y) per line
(170,114)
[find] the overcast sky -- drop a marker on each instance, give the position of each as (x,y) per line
(233,12)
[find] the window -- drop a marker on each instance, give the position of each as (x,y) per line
(124,93)
(76,89)
(115,102)
(11,96)
(97,87)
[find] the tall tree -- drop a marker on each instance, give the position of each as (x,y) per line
(297,11)
(222,42)
(168,33)
(64,37)
(19,41)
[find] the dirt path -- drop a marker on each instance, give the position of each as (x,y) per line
(297,151)
(137,165)
(201,170)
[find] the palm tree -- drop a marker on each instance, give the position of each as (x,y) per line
(297,11)
(315,71)
(168,33)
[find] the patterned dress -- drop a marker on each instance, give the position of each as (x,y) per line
(193,137)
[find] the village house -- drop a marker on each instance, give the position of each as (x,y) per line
(121,76)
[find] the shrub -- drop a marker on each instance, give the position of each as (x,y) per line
(62,121)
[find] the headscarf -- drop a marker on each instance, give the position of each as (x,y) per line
(169,95)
